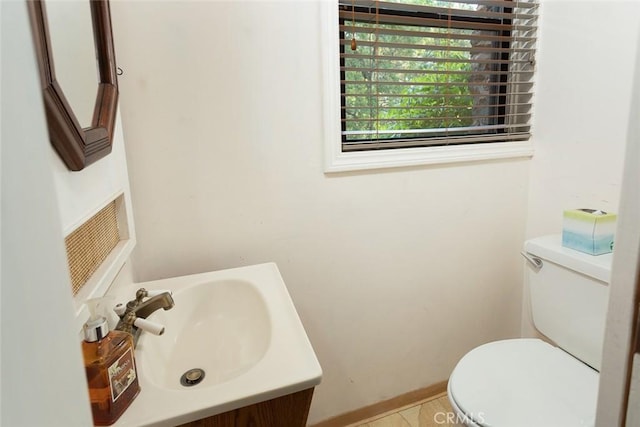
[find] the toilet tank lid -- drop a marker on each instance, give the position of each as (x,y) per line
(550,248)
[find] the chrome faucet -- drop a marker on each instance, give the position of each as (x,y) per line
(140,308)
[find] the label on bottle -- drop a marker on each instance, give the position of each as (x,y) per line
(122,373)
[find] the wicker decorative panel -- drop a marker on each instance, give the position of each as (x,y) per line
(90,244)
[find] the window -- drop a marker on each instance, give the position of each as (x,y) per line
(434,75)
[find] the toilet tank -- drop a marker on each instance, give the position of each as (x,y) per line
(569,297)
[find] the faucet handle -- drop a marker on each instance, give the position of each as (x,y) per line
(140,295)
(127,320)
(146,325)
(120,309)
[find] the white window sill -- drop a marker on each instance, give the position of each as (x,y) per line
(338,161)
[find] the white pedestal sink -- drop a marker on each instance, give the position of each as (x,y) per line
(239,326)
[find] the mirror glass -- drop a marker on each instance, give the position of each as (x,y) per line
(74,55)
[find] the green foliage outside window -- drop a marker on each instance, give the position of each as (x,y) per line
(404,77)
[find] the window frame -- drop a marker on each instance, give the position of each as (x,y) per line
(337,160)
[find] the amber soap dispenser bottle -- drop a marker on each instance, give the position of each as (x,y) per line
(110,367)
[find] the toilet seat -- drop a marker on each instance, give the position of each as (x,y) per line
(524,383)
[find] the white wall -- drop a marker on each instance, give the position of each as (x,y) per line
(80,196)
(42,201)
(395,274)
(583,93)
(83,193)
(585,64)
(43,381)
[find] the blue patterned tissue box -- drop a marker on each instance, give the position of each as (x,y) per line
(588,230)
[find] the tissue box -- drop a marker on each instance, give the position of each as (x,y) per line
(588,230)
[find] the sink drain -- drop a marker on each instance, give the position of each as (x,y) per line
(192,377)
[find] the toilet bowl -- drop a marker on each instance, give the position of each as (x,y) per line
(528,382)
(523,382)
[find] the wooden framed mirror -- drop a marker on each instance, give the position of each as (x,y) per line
(78,145)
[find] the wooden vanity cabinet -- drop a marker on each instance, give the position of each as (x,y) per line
(290,410)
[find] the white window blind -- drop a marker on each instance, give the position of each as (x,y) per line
(432,72)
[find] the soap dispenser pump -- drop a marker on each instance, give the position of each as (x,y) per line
(109,365)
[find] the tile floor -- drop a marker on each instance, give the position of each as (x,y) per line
(433,412)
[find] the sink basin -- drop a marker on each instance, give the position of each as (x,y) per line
(221,327)
(239,326)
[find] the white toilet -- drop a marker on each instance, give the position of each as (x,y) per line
(528,382)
